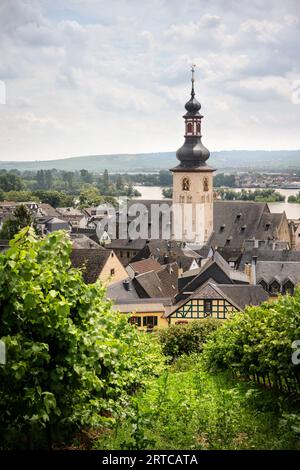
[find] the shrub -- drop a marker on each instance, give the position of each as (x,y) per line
(186,338)
(258,343)
(71,360)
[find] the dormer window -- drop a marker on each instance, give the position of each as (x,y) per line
(243,228)
(268,225)
(222,227)
(239,215)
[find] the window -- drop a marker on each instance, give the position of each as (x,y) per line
(185,184)
(135,321)
(112,272)
(274,287)
(205,184)
(198,128)
(190,128)
(207,307)
(150,322)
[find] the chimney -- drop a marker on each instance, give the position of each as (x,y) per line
(247,271)
(126,284)
(253,270)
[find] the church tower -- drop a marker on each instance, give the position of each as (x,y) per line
(192,181)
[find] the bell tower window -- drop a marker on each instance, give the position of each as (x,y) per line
(205,184)
(189,128)
(185,184)
(198,128)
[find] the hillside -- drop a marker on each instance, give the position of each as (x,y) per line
(231,160)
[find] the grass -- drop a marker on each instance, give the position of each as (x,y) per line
(189,408)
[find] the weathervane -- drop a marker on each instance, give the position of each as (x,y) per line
(193,79)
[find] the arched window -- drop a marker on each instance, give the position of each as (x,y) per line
(185,184)
(205,184)
(198,128)
(190,128)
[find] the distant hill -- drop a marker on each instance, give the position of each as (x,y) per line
(223,160)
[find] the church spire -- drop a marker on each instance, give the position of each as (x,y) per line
(192,154)
(193,80)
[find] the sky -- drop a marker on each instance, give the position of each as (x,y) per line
(106,77)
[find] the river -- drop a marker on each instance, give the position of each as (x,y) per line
(292,210)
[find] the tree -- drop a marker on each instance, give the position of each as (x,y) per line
(105,186)
(20,218)
(164,178)
(85,176)
(48,179)
(10,182)
(71,360)
(54,198)
(90,196)
(120,183)
(40,179)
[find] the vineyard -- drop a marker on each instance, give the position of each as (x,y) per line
(78,375)
(257,345)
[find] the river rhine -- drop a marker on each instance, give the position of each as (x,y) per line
(292,210)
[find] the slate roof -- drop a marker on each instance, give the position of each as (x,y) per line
(145,265)
(215,268)
(162,250)
(90,261)
(244,295)
(119,293)
(162,283)
(282,271)
(126,244)
(242,220)
(47,210)
(268,255)
(81,241)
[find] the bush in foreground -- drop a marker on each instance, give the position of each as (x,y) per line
(186,338)
(71,360)
(258,343)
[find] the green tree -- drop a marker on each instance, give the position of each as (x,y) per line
(48,179)
(10,182)
(105,184)
(71,360)
(85,176)
(20,218)
(120,183)
(90,196)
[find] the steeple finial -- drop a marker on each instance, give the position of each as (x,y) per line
(193,80)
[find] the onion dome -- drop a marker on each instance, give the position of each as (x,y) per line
(193,154)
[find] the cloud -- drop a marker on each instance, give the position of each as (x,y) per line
(97,77)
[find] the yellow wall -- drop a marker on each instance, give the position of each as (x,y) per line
(120,272)
(161,321)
